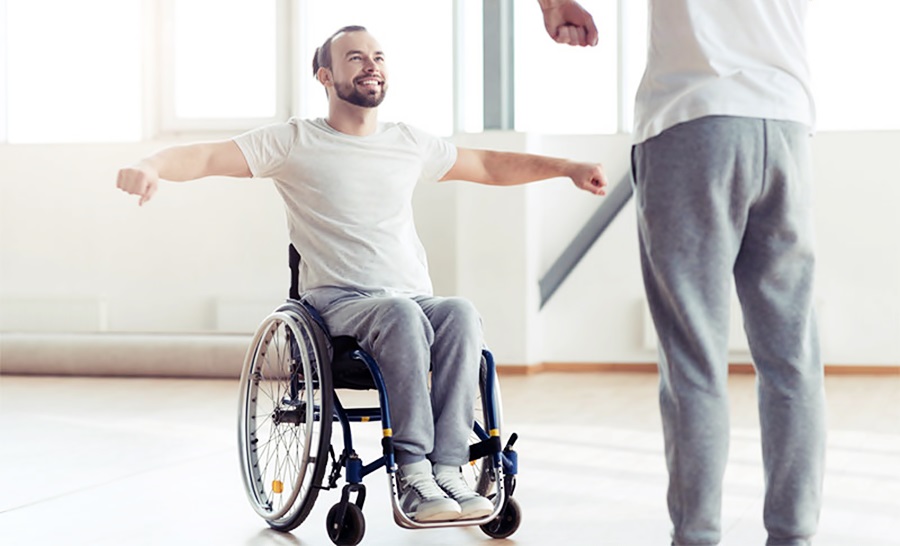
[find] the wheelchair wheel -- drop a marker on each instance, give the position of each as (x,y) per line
(349,532)
(478,473)
(506,523)
(285,417)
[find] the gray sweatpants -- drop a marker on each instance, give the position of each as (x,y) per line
(721,198)
(406,336)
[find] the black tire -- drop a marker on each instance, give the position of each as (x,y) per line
(285,416)
(351,532)
(506,523)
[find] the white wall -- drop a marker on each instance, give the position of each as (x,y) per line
(68,236)
(78,255)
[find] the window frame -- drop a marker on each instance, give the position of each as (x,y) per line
(162,82)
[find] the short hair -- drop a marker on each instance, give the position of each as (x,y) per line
(322,57)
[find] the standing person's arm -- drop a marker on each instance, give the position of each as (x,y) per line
(510,168)
(182,163)
(569,23)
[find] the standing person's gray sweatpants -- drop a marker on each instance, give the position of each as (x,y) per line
(406,337)
(722,197)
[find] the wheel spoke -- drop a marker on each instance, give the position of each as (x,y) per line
(283,441)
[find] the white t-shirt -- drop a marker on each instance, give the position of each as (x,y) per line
(724,57)
(349,200)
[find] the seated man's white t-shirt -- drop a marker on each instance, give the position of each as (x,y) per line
(349,200)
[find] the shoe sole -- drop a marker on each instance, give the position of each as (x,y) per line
(437,516)
(477,514)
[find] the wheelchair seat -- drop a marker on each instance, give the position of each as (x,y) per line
(348,371)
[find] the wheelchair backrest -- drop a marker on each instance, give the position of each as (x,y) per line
(294,264)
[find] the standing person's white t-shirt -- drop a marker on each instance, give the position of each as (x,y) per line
(742,58)
(349,200)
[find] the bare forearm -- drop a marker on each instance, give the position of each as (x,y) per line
(510,168)
(179,163)
(182,163)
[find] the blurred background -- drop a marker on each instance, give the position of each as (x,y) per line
(88,87)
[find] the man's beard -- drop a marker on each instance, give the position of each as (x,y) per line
(351,94)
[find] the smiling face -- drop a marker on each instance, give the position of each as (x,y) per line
(358,70)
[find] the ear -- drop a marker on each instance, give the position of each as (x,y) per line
(325,76)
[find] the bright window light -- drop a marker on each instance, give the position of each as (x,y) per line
(471,67)
(852,49)
(3,77)
(73,75)
(560,89)
(225,59)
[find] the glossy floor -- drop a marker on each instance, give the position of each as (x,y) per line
(105,461)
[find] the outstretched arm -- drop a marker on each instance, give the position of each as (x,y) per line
(510,168)
(182,163)
(568,23)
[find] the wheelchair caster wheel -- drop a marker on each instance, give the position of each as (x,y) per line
(506,522)
(349,532)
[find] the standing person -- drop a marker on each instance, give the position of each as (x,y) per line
(723,186)
(347,183)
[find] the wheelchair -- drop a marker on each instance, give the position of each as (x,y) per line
(289,401)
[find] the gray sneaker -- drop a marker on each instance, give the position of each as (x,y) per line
(421,498)
(472,505)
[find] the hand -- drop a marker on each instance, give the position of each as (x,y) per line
(589,177)
(138,180)
(568,23)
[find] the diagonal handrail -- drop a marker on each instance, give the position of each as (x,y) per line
(612,204)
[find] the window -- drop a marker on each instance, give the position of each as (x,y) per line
(68,74)
(852,50)
(419,57)
(221,64)
(3,76)
(71,75)
(561,89)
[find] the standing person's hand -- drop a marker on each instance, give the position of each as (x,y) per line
(569,23)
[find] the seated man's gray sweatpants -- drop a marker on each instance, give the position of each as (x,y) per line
(722,198)
(406,337)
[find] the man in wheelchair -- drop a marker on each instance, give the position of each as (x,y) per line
(347,182)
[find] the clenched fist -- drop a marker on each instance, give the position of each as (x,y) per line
(138,180)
